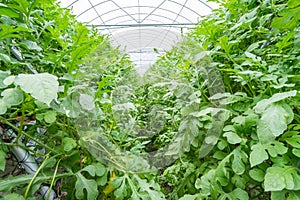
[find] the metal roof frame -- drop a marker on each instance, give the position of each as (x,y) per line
(131,23)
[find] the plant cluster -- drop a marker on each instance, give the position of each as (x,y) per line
(255,46)
(42,51)
(217,117)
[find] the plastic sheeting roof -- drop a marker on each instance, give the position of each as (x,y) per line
(140,26)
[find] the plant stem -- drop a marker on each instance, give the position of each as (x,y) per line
(30,137)
(21,122)
(23,147)
(35,175)
(52,181)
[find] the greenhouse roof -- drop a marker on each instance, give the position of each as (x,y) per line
(140,26)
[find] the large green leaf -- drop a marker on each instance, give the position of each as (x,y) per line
(232,137)
(5,58)
(11,31)
(263,104)
(3,76)
(12,96)
(86,102)
(205,182)
(152,188)
(3,107)
(292,138)
(50,116)
(69,144)
(296,152)
(276,148)
(279,178)
(240,194)
(9,80)
(294,195)
(239,159)
(4,10)
(293,3)
(95,169)
(43,87)
(257,174)
(121,192)
(246,18)
(274,121)
(90,185)
(258,154)
(289,17)
(278,195)
(30,45)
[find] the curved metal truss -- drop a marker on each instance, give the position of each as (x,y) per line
(139,26)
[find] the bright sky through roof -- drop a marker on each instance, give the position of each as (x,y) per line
(139,26)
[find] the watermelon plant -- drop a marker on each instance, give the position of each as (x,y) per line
(217,117)
(42,49)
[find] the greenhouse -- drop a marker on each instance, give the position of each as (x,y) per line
(150,100)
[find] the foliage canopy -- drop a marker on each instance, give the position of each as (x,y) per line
(56,72)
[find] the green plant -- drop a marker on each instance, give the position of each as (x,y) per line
(217,117)
(41,38)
